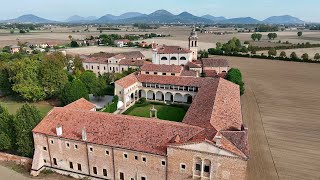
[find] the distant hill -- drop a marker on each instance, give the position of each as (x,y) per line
(28,18)
(213,18)
(159,17)
(77,18)
(286,19)
(242,20)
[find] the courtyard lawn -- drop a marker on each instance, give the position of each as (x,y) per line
(13,105)
(165,112)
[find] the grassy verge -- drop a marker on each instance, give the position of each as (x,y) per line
(165,112)
(13,105)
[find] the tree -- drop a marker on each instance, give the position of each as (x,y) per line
(305,57)
(283,54)
(234,75)
(5,84)
(24,75)
(26,119)
(293,56)
(300,33)
(70,37)
(77,63)
(89,78)
(11,31)
(7,133)
(52,76)
(74,44)
(73,91)
(99,89)
(259,36)
(272,35)
(317,56)
(254,37)
(272,52)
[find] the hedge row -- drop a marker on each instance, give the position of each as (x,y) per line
(236,54)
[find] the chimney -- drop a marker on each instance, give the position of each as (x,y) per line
(84,134)
(218,141)
(59,130)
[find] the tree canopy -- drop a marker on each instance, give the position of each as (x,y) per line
(234,75)
(73,91)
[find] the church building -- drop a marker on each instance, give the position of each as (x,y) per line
(176,55)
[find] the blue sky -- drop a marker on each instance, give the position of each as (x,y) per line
(260,9)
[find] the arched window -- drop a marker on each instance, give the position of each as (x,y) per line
(164,58)
(195,43)
(183,58)
(173,58)
(191,43)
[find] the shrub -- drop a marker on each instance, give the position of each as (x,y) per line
(234,75)
(141,101)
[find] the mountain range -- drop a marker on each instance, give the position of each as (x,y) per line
(158,17)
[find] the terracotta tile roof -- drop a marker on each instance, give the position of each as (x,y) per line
(102,58)
(127,81)
(81,104)
(239,139)
(192,65)
(210,73)
(171,50)
(133,62)
(162,68)
(222,109)
(189,73)
(133,55)
(129,132)
(211,62)
(122,40)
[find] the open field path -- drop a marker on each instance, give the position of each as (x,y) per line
(287,95)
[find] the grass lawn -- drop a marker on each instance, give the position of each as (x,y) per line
(13,105)
(165,112)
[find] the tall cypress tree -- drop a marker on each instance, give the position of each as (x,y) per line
(27,117)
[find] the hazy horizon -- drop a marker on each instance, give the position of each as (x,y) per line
(61,10)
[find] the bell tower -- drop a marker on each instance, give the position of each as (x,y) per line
(193,44)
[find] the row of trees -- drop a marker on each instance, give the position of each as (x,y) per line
(16,130)
(293,55)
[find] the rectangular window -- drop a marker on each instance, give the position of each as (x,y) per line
(67,145)
(51,141)
(54,161)
(182,166)
(98,67)
(95,170)
(163,163)
(75,146)
(155,73)
(136,157)
(121,176)
(173,74)
(147,72)
(110,68)
(143,178)
(45,148)
(91,149)
(164,74)
(206,169)
(144,159)
(198,167)
(107,152)
(45,161)
(105,172)
(79,167)
(71,165)
(125,155)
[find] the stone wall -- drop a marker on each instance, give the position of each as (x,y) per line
(16,159)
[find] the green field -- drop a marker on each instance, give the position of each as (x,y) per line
(13,105)
(165,112)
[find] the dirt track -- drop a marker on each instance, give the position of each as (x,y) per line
(287,96)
